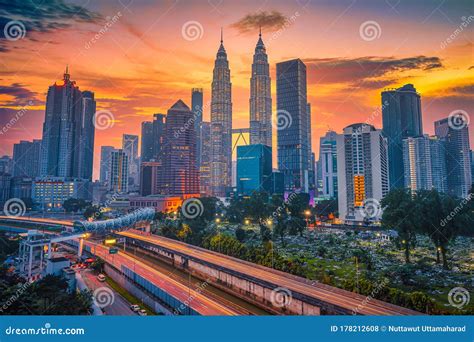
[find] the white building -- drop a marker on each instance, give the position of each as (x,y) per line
(328,160)
(417,163)
(362,172)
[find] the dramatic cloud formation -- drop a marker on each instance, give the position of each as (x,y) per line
(266,20)
(21,94)
(44,16)
(341,70)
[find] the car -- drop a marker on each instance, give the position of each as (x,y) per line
(134,307)
(142,312)
(101,277)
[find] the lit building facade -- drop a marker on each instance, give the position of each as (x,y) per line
(205,166)
(328,160)
(119,172)
(362,170)
(417,163)
(50,193)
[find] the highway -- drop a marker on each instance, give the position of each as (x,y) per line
(183,293)
(332,295)
(119,307)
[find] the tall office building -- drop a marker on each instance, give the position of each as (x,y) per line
(458,161)
(362,171)
(180,174)
(401,116)
(196,108)
(417,163)
(254,169)
(119,169)
(260,97)
(311,170)
(26,158)
(67,132)
(205,166)
(328,160)
(105,163)
(472,165)
(439,172)
(146,149)
(130,147)
(221,125)
(86,132)
(292,110)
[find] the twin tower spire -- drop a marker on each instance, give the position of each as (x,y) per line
(221,113)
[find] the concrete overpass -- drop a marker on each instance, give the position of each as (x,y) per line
(273,290)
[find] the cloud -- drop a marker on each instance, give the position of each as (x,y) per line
(369,69)
(21,94)
(44,16)
(272,21)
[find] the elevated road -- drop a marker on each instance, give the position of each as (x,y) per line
(348,301)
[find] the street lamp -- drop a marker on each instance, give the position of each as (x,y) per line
(218,220)
(269,222)
(247,222)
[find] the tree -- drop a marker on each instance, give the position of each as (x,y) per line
(73,205)
(240,234)
(399,213)
(93,211)
(297,204)
(441,218)
(326,208)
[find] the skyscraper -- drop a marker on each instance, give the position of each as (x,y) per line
(106,163)
(67,131)
(292,111)
(158,134)
(26,158)
(119,172)
(417,163)
(205,152)
(180,175)
(196,107)
(6,164)
(260,97)
(362,171)
(149,178)
(328,159)
(401,116)
(439,173)
(254,169)
(458,161)
(146,149)
(221,125)
(130,147)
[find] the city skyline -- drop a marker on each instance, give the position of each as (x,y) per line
(344,82)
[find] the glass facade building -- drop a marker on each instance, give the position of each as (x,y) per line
(254,169)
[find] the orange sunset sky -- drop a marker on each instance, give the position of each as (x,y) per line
(146,60)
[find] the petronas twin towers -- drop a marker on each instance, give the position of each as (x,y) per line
(221,114)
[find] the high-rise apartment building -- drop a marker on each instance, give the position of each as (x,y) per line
(417,163)
(328,160)
(119,172)
(458,162)
(362,172)
(205,152)
(105,163)
(26,158)
(130,147)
